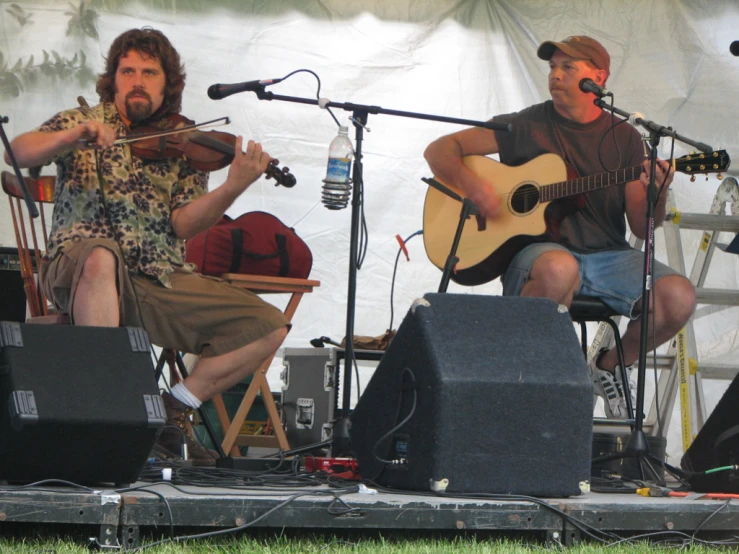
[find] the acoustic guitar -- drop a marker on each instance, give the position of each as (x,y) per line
(487,246)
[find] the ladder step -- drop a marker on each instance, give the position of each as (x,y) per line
(708,370)
(721,297)
(708,222)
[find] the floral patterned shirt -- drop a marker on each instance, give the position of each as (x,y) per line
(139,196)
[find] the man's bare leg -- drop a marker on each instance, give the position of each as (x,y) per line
(211,376)
(96,297)
(675,304)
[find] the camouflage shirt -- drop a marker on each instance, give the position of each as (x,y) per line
(139,197)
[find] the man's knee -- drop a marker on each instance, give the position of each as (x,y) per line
(558,268)
(675,296)
(276,338)
(100,265)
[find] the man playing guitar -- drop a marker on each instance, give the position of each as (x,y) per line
(587,252)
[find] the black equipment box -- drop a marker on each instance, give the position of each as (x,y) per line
(76,403)
(310,393)
(12,295)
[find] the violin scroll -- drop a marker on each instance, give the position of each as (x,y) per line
(281,176)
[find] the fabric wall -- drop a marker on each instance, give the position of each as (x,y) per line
(459,58)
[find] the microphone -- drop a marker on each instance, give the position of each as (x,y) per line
(218,91)
(319,342)
(734,48)
(588,85)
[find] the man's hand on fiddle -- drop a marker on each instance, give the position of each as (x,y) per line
(96,133)
(663,173)
(248,166)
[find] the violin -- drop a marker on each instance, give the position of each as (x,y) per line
(203,150)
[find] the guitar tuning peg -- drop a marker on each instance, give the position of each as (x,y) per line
(692,178)
(720,176)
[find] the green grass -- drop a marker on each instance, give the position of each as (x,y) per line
(328,544)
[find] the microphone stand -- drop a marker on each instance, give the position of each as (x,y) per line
(637,445)
(32,209)
(360,113)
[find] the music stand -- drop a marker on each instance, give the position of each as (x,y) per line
(360,114)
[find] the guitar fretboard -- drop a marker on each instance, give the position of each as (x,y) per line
(588,184)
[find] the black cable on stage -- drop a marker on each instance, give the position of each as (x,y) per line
(256,520)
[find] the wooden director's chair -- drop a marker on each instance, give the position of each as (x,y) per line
(260,284)
(29,233)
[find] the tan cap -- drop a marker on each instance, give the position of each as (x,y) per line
(580,48)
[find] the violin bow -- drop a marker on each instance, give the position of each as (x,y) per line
(134,138)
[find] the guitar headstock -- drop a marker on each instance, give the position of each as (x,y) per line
(713,162)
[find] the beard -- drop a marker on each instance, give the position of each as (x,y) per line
(138,106)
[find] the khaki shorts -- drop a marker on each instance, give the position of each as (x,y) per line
(198,314)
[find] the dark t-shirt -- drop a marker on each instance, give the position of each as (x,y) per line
(600,224)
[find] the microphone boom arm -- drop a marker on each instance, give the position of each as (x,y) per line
(653,127)
(348,106)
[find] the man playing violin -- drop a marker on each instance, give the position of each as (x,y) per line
(591,255)
(116,247)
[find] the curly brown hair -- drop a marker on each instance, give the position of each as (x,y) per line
(153,43)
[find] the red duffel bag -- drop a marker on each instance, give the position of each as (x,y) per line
(256,242)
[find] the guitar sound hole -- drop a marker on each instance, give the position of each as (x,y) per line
(524,199)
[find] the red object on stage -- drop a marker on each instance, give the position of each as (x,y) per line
(344,468)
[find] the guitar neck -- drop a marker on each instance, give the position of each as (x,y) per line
(588,184)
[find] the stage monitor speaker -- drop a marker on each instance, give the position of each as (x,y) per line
(717,445)
(76,403)
(479,394)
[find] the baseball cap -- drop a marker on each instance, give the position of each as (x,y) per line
(578,47)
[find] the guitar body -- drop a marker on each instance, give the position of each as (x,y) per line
(535,198)
(485,253)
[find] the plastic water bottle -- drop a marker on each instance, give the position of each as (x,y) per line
(337,184)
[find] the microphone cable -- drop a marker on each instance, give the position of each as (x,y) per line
(395,270)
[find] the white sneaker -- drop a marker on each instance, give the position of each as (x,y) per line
(609,387)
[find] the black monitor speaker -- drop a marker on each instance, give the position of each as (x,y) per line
(479,394)
(717,446)
(78,404)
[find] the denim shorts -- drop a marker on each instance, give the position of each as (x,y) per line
(614,276)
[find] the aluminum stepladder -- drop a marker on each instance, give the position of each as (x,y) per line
(681,374)
(685,380)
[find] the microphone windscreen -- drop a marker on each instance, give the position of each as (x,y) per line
(318,343)
(734,48)
(214,92)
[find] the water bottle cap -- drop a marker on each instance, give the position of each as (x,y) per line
(343,129)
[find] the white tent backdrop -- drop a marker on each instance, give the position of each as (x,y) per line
(460,58)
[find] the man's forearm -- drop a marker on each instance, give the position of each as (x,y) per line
(38,148)
(203,213)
